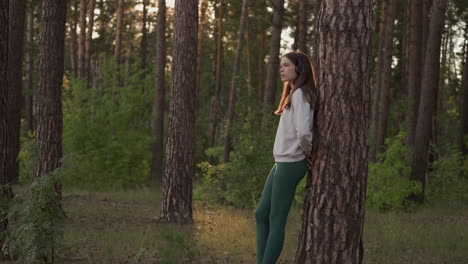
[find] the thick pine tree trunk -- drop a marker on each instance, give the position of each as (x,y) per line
(159,95)
(177,196)
(88,45)
(333,216)
(218,75)
(48,107)
(15,79)
(463,130)
(274,60)
(414,70)
(235,72)
(82,40)
(384,101)
(302,27)
(427,105)
(29,71)
(5,179)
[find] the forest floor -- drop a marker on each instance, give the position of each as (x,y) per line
(122,227)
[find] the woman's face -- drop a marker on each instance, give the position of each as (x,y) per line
(287,70)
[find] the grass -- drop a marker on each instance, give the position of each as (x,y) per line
(121,227)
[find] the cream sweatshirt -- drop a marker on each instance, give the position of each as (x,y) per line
(294,135)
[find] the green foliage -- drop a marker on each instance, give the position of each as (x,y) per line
(36,225)
(388,186)
(175,244)
(27,158)
(448,180)
(107,134)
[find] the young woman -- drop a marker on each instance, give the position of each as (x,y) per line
(293,144)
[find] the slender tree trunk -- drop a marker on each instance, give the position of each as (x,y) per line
(273,63)
(386,75)
(261,69)
(405,59)
(426,6)
(74,39)
(302,29)
(414,70)
(177,195)
(49,90)
(6,192)
(428,94)
(235,72)
(249,67)
(204,6)
(82,40)
(219,57)
(159,95)
(89,38)
(118,43)
(15,79)
(463,130)
(333,217)
(29,71)
(143,43)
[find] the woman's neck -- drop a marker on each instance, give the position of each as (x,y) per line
(293,86)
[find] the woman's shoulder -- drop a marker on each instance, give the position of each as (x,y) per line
(298,96)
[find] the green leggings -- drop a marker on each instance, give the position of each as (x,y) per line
(273,208)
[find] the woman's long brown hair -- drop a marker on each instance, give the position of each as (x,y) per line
(305,81)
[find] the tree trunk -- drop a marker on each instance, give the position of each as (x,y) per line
(333,215)
(6,192)
(386,74)
(15,79)
(235,72)
(159,95)
(82,40)
(428,94)
(118,44)
(177,196)
(463,130)
(215,96)
(315,35)
(29,71)
(273,61)
(74,39)
(143,43)
(204,6)
(414,70)
(261,69)
(49,90)
(302,26)
(89,38)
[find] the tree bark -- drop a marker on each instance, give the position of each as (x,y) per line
(261,63)
(177,196)
(5,178)
(463,130)
(428,95)
(48,108)
(159,95)
(89,39)
(204,6)
(333,215)
(82,40)
(15,79)
(74,39)
(29,71)
(235,72)
(386,75)
(414,70)
(118,43)
(215,97)
(302,27)
(143,43)
(273,61)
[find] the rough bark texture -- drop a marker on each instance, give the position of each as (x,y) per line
(333,215)
(48,107)
(159,95)
(82,39)
(15,79)
(215,97)
(463,131)
(273,61)
(118,34)
(89,38)
(414,70)
(384,101)
(302,27)
(235,72)
(177,195)
(4,177)
(429,87)
(29,71)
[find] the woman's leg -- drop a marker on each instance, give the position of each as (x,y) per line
(287,176)
(262,214)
